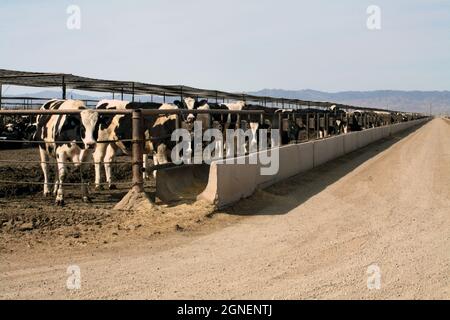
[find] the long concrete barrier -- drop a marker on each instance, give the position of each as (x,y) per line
(229,183)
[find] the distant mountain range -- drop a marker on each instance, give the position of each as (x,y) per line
(416,101)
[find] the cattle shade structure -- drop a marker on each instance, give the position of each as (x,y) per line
(66,81)
(69,81)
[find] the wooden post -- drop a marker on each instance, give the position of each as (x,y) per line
(137,151)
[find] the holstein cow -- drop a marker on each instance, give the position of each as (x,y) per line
(193,104)
(356,120)
(231,122)
(115,128)
(67,138)
(340,119)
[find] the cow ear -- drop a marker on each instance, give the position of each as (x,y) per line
(102,106)
(105,120)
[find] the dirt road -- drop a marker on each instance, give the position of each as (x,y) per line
(313,236)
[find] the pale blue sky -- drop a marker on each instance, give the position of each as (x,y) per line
(235,45)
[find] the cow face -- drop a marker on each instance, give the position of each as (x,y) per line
(192,104)
(10,127)
(89,128)
(123,132)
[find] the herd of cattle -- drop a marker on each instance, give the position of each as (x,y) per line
(78,138)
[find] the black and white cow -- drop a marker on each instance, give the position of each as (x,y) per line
(68,138)
(356,120)
(193,104)
(230,121)
(116,128)
(339,122)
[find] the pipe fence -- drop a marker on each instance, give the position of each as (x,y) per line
(310,120)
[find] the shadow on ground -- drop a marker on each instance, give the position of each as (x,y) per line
(296,190)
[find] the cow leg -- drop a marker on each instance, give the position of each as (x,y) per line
(144,164)
(84,155)
(44,165)
(160,157)
(56,186)
(109,158)
(155,163)
(84,187)
(61,159)
(254,142)
(99,154)
(218,149)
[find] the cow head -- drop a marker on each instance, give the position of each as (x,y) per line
(89,128)
(9,127)
(192,104)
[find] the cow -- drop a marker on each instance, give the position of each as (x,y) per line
(115,134)
(230,121)
(356,120)
(193,104)
(66,137)
(340,119)
(20,130)
(382,118)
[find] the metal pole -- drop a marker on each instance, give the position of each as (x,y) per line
(121,94)
(137,151)
(307,126)
(63,88)
(280,124)
(318,126)
(132,88)
(1,89)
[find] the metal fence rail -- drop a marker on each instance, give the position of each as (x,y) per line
(137,138)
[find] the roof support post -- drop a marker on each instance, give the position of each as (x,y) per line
(63,84)
(132,90)
(121,94)
(137,151)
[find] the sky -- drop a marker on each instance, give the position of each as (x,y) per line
(234,45)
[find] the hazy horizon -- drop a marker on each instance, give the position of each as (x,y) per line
(235,46)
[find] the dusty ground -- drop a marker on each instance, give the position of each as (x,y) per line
(29,220)
(313,236)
